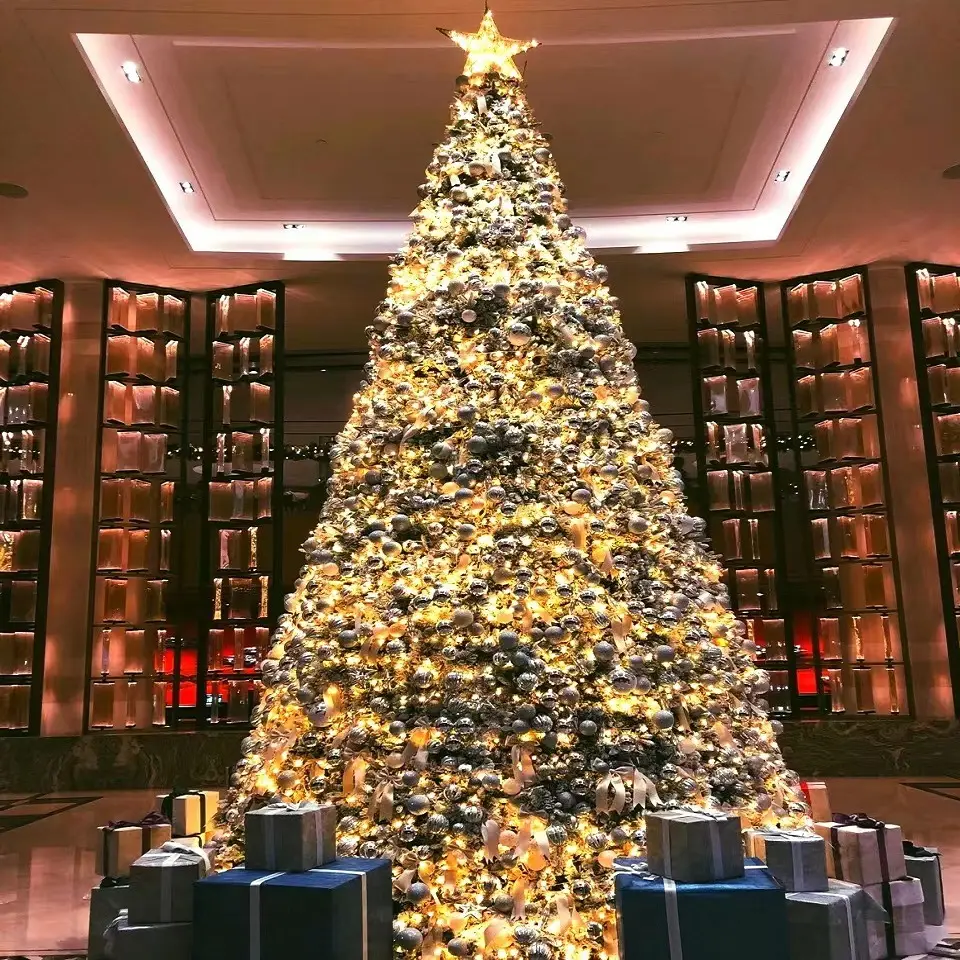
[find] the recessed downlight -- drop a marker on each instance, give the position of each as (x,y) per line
(186,186)
(837,57)
(677,218)
(131,71)
(781,176)
(293,226)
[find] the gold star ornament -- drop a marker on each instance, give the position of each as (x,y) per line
(487,50)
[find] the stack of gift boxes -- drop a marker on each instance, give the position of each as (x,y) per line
(125,849)
(292,896)
(848,890)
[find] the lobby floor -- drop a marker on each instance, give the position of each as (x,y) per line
(47,851)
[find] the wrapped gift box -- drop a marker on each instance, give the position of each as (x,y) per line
(157,941)
(117,848)
(190,811)
(105,906)
(341,910)
(829,924)
(861,850)
(161,884)
(797,859)
(117,842)
(924,864)
(660,919)
(818,799)
(290,836)
(901,933)
(694,846)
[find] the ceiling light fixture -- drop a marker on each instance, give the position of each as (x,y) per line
(677,218)
(837,57)
(293,226)
(781,176)
(131,71)
(186,186)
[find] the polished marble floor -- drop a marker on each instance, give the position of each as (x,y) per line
(47,851)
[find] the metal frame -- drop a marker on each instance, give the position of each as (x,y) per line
(950,609)
(275,596)
(768,422)
(176,561)
(785,287)
(46,510)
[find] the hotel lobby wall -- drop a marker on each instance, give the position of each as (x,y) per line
(317,403)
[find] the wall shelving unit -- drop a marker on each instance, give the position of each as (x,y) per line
(138,678)
(858,661)
(31,319)
(738,466)
(242,500)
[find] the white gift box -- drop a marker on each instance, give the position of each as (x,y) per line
(903,933)
(862,854)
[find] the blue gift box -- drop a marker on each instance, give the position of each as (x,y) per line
(743,918)
(342,909)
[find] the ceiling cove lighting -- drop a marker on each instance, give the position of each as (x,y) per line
(803,139)
(677,218)
(131,71)
(838,56)
(781,176)
(186,186)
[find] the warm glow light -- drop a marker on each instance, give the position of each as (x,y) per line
(829,93)
(131,71)
(838,57)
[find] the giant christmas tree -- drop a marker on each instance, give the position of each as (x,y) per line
(508,639)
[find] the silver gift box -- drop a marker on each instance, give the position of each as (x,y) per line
(829,924)
(694,847)
(290,837)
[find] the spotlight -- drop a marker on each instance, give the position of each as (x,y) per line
(677,218)
(131,71)
(837,57)
(781,176)
(293,226)
(186,186)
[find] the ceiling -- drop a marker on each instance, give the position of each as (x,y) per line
(326,111)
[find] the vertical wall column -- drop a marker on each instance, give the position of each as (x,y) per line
(907,467)
(65,653)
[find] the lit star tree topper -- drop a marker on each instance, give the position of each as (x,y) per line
(487,50)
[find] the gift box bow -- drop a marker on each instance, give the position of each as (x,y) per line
(174,854)
(911,849)
(858,820)
(284,806)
